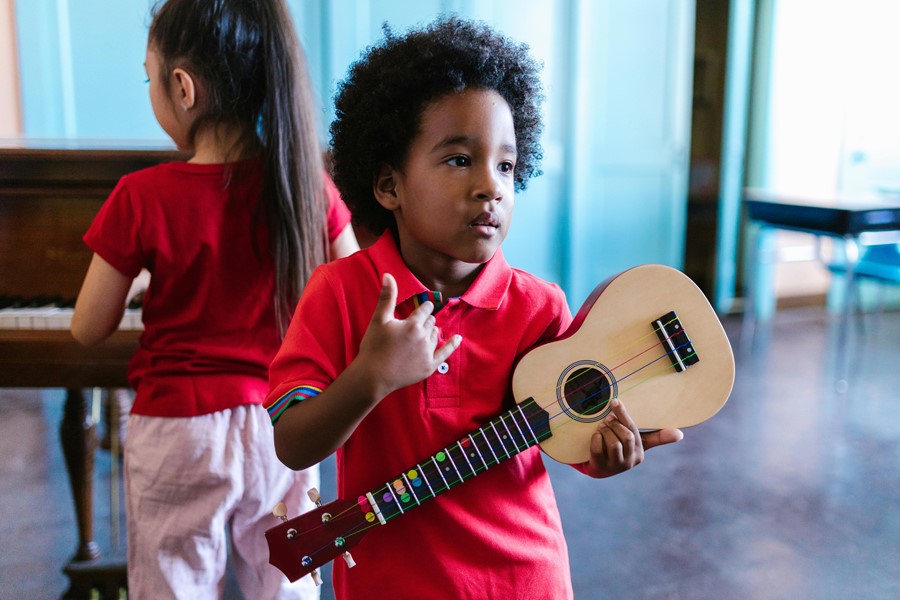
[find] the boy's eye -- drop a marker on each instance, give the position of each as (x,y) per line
(459,161)
(506,167)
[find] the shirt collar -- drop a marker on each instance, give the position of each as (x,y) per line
(487,291)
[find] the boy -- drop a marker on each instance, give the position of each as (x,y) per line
(434,133)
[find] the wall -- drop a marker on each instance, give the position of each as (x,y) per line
(10,109)
(617,77)
(824,120)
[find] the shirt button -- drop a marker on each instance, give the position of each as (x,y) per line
(443,368)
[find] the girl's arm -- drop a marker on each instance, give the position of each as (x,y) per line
(344,244)
(393,353)
(101,303)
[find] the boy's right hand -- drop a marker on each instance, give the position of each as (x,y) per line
(401,352)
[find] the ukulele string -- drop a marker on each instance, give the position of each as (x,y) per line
(622,352)
(493,449)
(485,457)
(626,390)
(613,369)
(362,527)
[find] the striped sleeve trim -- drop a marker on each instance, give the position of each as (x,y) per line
(298,394)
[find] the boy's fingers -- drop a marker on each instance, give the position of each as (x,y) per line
(623,435)
(613,450)
(444,352)
(422,312)
(622,415)
(662,437)
(387,300)
(598,446)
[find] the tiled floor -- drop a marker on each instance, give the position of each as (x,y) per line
(791,492)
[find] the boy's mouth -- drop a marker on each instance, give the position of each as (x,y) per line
(486,220)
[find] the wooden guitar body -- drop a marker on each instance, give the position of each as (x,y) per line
(611,351)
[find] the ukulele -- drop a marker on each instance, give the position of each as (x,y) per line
(647,336)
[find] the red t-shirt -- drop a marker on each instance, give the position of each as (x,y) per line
(497,535)
(209,316)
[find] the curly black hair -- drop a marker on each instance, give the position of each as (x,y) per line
(380,104)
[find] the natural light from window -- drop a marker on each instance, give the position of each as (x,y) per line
(834,119)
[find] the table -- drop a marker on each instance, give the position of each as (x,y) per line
(855,220)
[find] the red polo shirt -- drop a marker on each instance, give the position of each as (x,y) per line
(497,535)
(209,318)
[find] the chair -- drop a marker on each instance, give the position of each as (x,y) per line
(879,263)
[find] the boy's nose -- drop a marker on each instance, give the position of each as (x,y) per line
(489,188)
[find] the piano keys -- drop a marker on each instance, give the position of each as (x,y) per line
(45,312)
(49,194)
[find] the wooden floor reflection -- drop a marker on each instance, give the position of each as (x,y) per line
(791,491)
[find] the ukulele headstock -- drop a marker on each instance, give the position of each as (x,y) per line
(299,546)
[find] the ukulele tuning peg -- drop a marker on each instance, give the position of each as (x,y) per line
(280,511)
(314,495)
(317,579)
(348,558)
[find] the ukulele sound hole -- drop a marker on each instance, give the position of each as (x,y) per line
(588,391)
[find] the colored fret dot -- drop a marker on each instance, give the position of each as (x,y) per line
(465,442)
(412,474)
(401,489)
(405,497)
(370,516)
(417,482)
(388,497)
(440,456)
(398,484)
(363,502)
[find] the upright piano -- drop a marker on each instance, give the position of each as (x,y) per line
(49,194)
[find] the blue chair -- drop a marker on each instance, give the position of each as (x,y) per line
(879,263)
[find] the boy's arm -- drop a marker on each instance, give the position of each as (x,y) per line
(394,353)
(618,445)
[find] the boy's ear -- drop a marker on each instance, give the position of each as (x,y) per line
(385,187)
(185,89)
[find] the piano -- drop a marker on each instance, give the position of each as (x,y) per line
(49,194)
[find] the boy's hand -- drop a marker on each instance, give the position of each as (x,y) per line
(618,445)
(402,352)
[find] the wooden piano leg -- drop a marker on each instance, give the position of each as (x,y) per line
(78,434)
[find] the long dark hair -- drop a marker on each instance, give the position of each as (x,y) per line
(247,54)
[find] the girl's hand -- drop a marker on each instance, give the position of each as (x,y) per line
(401,352)
(618,445)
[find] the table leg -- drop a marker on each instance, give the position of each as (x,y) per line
(851,258)
(759,295)
(79,440)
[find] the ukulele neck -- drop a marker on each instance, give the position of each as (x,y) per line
(513,432)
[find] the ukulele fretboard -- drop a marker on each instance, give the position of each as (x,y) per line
(514,431)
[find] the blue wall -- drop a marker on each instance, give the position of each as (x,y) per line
(617,77)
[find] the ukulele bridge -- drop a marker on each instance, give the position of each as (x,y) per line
(675,341)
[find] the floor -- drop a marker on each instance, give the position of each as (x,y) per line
(790,492)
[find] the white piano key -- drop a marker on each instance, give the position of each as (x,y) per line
(7,318)
(131,320)
(61,319)
(58,319)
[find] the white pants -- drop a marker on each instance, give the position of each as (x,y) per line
(187,481)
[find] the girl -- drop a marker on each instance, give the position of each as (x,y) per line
(229,237)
